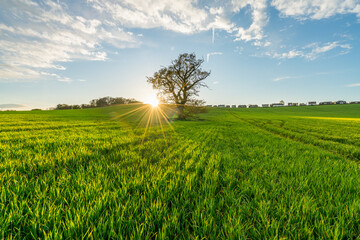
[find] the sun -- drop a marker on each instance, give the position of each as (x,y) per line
(153,101)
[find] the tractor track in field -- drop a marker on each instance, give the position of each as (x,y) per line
(296,139)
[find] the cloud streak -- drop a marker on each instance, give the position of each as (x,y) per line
(285,78)
(212,54)
(12,106)
(300,76)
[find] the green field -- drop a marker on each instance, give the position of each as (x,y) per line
(272,173)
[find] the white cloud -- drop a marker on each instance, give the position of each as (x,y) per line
(11,73)
(214,10)
(43,36)
(316,9)
(58,77)
(38,37)
(212,54)
(216,82)
(221,22)
(287,55)
(183,16)
(262,44)
(180,16)
(64,79)
(354,85)
(259,19)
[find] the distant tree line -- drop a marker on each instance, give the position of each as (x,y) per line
(100,102)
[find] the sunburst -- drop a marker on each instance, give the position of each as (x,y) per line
(152,101)
(150,115)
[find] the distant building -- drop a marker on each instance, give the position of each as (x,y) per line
(355,102)
(302,104)
(277,105)
(214,106)
(233,106)
(265,105)
(293,104)
(221,106)
(228,106)
(208,105)
(311,103)
(242,106)
(253,106)
(326,103)
(341,102)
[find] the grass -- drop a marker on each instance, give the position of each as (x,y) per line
(272,173)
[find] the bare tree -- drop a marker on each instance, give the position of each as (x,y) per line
(180,82)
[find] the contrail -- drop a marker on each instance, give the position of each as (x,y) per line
(213,34)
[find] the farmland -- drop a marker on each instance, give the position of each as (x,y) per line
(290,173)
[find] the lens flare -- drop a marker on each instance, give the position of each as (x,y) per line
(153,101)
(148,119)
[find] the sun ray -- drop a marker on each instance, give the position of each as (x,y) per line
(131,112)
(162,130)
(151,118)
(147,126)
(166,118)
(142,117)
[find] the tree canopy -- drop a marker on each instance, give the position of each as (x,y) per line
(180,82)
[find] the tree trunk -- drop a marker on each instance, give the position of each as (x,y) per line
(180,110)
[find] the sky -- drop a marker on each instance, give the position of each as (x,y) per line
(258,51)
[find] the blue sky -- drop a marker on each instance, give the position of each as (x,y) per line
(258,51)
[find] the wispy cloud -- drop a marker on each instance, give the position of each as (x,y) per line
(310,51)
(310,9)
(285,78)
(354,85)
(12,105)
(277,79)
(212,54)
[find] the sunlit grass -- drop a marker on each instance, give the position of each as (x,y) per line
(117,173)
(144,117)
